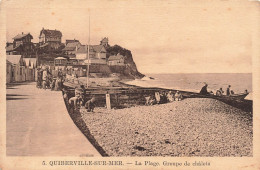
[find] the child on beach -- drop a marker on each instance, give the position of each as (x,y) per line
(90,105)
(220,92)
(75,101)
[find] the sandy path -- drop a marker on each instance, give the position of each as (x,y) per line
(38,124)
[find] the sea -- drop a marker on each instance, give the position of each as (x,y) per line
(193,82)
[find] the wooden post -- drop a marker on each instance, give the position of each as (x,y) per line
(108,101)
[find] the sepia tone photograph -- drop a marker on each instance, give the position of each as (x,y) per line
(167,79)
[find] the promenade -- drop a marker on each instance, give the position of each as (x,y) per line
(38,124)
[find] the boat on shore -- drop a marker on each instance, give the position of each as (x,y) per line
(235,97)
(131,95)
(132,89)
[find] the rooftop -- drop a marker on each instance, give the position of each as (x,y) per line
(20,36)
(92,48)
(14,59)
(71,46)
(115,57)
(51,33)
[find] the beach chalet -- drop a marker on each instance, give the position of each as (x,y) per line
(30,65)
(20,69)
(71,49)
(21,45)
(17,71)
(60,62)
(97,54)
(50,39)
(30,62)
(116,60)
(8,71)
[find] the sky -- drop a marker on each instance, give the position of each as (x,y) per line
(163,36)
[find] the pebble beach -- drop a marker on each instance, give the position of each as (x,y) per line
(191,127)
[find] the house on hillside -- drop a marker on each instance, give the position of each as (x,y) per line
(71,49)
(71,41)
(100,51)
(97,54)
(116,60)
(104,42)
(22,45)
(50,39)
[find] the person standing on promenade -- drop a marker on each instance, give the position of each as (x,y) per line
(44,78)
(39,78)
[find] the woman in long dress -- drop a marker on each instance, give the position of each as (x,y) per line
(157,97)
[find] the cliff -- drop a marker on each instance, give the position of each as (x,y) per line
(130,70)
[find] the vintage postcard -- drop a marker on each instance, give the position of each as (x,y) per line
(120,84)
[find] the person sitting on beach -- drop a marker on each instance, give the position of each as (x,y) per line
(219,92)
(170,97)
(178,96)
(150,100)
(90,105)
(228,90)
(163,98)
(147,100)
(204,90)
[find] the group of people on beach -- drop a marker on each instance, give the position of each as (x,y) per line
(219,92)
(162,97)
(79,100)
(46,80)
